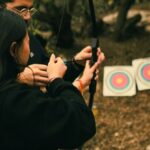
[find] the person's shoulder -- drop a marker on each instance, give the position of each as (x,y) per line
(35,44)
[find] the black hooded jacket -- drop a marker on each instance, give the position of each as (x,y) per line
(32,120)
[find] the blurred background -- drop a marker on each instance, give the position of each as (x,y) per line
(64,27)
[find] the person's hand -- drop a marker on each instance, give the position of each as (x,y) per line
(56,68)
(83,55)
(34,75)
(88,72)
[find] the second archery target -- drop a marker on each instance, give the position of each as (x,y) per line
(142,73)
(119,81)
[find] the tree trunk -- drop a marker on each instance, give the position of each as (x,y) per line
(121,19)
(59,20)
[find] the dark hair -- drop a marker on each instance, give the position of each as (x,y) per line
(12,29)
(3,3)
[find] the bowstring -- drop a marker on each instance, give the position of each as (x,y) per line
(61,22)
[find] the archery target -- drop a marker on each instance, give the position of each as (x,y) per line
(119,81)
(142,71)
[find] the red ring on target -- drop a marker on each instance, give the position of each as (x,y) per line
(119,81)
(145,72)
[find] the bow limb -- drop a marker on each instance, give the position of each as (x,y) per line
(95,45)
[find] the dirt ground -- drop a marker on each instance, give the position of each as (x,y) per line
(123,123)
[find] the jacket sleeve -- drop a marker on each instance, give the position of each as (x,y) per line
(57,119)
(73,71)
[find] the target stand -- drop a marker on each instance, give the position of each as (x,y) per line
(119,81)
(142,73)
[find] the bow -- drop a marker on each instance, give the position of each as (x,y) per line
(95,44)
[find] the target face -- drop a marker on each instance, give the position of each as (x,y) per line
(143,72)
(119,81)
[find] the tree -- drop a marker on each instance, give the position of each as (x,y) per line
(58,16)
(122,17)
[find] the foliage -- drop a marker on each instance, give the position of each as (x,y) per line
(71,18)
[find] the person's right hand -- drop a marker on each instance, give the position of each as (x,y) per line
(56,68)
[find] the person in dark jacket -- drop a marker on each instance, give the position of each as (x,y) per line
(29,118)
(25,9)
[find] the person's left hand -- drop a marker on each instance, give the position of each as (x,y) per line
(34,75)
(83,55)
(88,73)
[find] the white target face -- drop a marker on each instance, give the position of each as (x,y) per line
(143,73)
(119,81)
